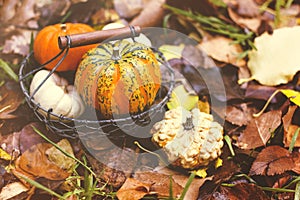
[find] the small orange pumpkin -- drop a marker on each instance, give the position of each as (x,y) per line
(119,78)
(45,45)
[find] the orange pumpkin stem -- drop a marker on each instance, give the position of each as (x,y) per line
(63,27)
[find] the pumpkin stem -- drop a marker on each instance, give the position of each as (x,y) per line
(188,125)
(116,54)
(63,27)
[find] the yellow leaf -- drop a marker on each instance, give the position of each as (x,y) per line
(276,58)
(4,155)
(293,95)
(180,97)
(219,163)
(204,106)
(201,173)
(171,51)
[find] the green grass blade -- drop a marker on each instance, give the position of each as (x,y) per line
(294,139)
(8,70)
(228,141)
(31,42)
(292,182)
(218,3)
(171,189)
(297,192)
(288,3)
(269,189)
(40,186)
(187,185)
(64,19)
(166,20)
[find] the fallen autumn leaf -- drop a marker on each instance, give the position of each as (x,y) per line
(276,53)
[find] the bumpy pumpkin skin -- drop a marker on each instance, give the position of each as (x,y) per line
(126,85)
(45,45)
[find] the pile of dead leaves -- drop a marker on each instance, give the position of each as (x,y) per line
(261,158)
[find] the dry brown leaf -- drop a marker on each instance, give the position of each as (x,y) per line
(196,57)
(11,144)
(193,191)
(11,98)
(242,191)
(18,13)
(289,16)
(243,72)
(24,12)
(251,23)
(160,179)
(114,165)
(247,8)
(272,160)
(17,143)
(12,191)
(289,135)
(29,137)
(73,197)
(133,189)
(18,44)
(296,158)
(258,131)
(206,7)
(199,79)
(222,174)
(35,162)
(7,10)
(129,8)
(151,15)
(51,11)
(104,16)
(239,115)
(262,92)
(56,156)
(222,49)
(160,183)
(289,128)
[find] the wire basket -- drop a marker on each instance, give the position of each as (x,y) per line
(91,129)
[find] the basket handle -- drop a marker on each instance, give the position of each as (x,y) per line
(94,37)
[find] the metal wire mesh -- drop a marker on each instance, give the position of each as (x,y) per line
(70,127)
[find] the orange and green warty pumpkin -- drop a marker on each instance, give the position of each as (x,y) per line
(118,78)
